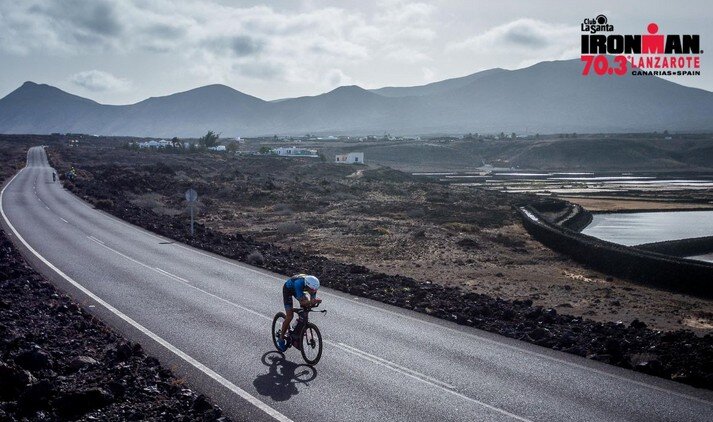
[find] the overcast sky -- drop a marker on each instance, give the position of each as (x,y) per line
(123,51)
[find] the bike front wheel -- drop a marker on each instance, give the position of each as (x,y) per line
(311,344)
(277,327)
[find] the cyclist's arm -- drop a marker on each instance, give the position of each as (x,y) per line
(300,295)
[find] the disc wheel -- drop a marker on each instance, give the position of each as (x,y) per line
(277,328)
(311,344)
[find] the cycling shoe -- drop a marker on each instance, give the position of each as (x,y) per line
(281,345)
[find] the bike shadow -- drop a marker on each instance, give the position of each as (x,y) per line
(280,382)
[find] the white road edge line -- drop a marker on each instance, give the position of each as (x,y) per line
(368,357)
(388,311)
(64,220)
(209,372)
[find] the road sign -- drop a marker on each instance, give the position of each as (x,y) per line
(191,195)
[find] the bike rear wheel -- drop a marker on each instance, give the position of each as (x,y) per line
(277,327)
(311,344)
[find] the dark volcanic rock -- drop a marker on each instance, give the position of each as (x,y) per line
(81,362)
(37,396)
(77,403)
(13,381)
(34,359)
(45,370)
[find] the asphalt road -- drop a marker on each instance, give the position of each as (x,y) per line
(209,318)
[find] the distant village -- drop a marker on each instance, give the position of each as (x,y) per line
(232,145)
(315,147)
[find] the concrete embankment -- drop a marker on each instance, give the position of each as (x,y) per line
(682,247)
(650,267)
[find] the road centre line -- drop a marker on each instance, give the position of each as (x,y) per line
(365,355)
(95,239)
(388,365)
(173,276)
(399,367)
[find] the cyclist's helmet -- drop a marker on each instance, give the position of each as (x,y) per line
(312,282)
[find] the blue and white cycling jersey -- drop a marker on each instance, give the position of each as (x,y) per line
(294,286)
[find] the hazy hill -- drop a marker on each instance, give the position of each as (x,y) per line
(39,108)
(548,97)
(436,87)
(555,97)
(212,107)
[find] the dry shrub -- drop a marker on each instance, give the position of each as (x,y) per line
(381,231)
(255,258)
(461,227)
(416,212)
(104,204)
(282,209)
(290,227)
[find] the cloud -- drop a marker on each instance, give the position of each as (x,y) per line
(243,45)
(98,81)
(69,23)
(223,41)
(336,78)
(521,34)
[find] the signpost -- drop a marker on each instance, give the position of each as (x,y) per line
(191,197)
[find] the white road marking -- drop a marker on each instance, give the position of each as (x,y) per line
(372,358)
(425,379)
(459,332)
(399,367)
(173,276)
(206,370)
(96,240)
(179,279)
(119,253)
(64,220)
(409,317)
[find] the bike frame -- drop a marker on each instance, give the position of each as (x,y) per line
(302,321)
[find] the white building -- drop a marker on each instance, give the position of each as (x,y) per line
(294,152)
(350,158)
(156,144)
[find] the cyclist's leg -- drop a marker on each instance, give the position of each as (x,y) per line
(289,312)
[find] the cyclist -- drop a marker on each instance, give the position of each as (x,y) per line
(296,286)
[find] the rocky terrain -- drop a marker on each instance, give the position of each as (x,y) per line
(458,254)
(57,362)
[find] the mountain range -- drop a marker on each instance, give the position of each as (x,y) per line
(548,97)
